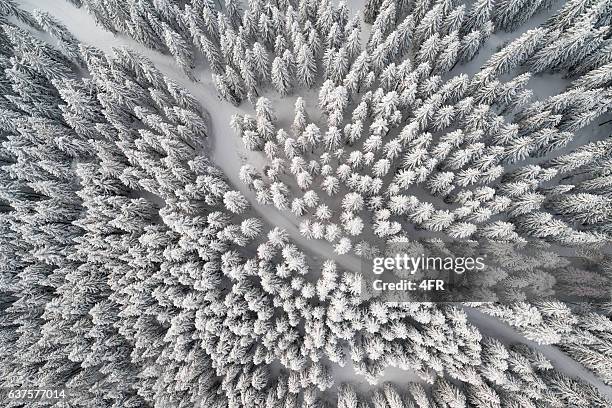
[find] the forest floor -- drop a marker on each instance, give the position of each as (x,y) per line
(227,151)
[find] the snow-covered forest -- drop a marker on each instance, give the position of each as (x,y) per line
(188,189)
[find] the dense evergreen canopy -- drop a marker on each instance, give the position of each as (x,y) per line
(134,274)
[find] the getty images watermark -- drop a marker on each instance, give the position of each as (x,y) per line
(486,271)
(406,263)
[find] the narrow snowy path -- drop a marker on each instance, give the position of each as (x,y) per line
(227,152)
(492,327)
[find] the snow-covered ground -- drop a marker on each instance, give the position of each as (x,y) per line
(228,152)
(491,327)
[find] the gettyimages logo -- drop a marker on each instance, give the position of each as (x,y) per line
(413,264)
(486,271)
